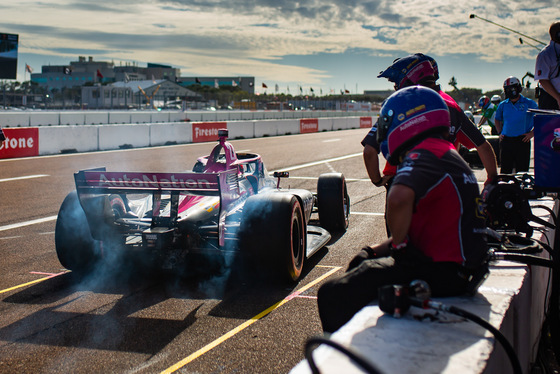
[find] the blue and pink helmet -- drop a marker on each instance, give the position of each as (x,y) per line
(411,70)
(408,116)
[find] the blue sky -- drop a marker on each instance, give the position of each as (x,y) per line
(327,45)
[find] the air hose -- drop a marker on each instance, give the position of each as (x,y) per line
(357,358)
(476,319)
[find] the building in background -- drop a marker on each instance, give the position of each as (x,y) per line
(246,84)
(137,94)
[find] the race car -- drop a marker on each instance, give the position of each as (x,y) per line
(194,221)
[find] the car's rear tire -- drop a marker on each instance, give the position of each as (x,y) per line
(333,202)
(273,232)
(75,247)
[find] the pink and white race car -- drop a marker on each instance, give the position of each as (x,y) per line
(190,222)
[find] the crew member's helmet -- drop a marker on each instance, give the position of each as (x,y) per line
(483,102)
(496,99)
(512,88)
(410,70)
(407,117)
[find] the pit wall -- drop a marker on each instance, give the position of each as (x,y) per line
(77,118)
(48,140)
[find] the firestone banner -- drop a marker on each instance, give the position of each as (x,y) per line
(20,142)
(308,125)
(206,131)
(366,122)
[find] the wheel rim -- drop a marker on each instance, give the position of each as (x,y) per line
(298,245)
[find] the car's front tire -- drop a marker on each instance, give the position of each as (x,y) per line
(333,201)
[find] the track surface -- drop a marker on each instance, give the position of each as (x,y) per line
(126,320)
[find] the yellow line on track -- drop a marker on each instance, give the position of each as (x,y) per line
(32,282)
(246,324)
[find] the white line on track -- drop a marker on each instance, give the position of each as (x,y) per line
(347,179)
(296,167)
(24,177)
(27,223)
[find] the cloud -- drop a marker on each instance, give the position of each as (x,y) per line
(251,37)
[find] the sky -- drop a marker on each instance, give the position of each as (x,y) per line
(326,45)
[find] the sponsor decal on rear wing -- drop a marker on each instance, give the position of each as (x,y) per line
(142,181)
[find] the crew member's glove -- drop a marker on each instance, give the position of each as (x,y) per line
(365,253)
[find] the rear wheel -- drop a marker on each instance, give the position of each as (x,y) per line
(75,247)
(333,201)
(273,232)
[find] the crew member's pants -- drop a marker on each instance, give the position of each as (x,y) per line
(339,299)
(546,101)
(514,153)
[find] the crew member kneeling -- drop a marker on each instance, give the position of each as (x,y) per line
(433,212)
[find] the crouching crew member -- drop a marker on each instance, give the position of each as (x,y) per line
(433,212)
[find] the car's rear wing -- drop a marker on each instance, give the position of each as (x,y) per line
(99,182)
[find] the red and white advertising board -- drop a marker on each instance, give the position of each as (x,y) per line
(20,142)
(206,131)
(366,122)
(308,125)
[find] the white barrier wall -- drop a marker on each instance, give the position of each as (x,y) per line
(15,119)
(96,118)
(124,117)
(121,136)
(170,133)
(59,139)
(326,124)
(160,117)
(241,129)
(276,127)
(45,119)
(71,118)
(88,138)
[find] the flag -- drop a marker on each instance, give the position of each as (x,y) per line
(264,85)
(153,79)
(311,89)
(234,83)
(346,91)
(99,75)
(196,80)
(67,70)
(300,89)
(28,69)
(216,84)
(276,88)
(288,87)
(126,78)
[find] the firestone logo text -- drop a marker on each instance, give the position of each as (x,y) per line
(199,131)
(13,143)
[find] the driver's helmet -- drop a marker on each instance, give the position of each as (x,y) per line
(512,88)
(495,99)
(408,116)
(410,70)
(483,102)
